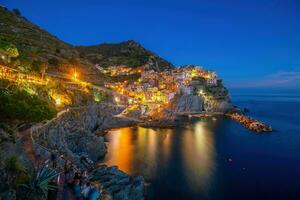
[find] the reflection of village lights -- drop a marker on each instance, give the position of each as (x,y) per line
(57,101)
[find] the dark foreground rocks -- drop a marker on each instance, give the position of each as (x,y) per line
(117,184)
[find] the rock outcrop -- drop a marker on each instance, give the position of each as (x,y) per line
(189,103)
(118,184)
(73,133)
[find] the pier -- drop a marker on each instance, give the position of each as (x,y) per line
(248,122)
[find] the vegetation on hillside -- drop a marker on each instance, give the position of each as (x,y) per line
(9,48)
(129,53)
(27,184)
(20,104)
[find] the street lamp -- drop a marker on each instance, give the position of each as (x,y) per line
(57,101)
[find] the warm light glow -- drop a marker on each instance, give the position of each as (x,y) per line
(57,101)
(198,152)
(75,75)
(123,140)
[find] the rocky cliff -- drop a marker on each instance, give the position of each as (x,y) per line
(209,98)
(73,133)
(189,104)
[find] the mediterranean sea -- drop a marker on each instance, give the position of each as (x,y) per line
(217,159)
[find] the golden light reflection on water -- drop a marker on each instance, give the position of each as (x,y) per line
(144,148)
(122,148)
(143,151)
(198,154)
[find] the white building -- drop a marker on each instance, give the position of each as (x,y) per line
(213,80)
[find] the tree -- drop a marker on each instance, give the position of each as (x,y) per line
(16,12)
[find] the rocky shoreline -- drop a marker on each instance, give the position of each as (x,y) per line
(79,133)
(75,135)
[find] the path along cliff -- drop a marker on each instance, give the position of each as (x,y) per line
(73,135)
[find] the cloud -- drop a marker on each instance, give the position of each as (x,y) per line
(281,79)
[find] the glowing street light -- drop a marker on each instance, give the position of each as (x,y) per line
(75,75)
(201,92)
(58,101)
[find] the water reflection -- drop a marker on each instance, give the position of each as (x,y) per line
(187,155)
(130,148)
(193,162)
(122,149)
(198,155)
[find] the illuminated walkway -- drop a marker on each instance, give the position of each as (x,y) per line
(10,74)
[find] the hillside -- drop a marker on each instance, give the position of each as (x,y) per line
(129,53)
(32,39)
(36,44)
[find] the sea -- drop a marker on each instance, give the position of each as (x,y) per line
(218,159)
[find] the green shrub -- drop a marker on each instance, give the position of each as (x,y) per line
(18,104)
(13,165)
(100,96)
(25,63)
(9,48)
(16,172)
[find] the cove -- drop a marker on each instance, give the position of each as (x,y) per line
(214,159)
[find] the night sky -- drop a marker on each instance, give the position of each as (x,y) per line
(253,43)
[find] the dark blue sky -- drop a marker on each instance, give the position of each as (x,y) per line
(253,43)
